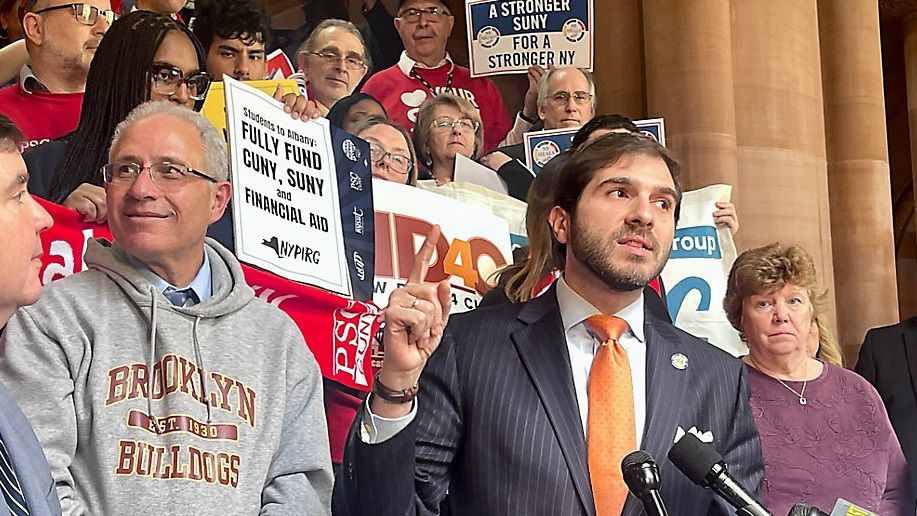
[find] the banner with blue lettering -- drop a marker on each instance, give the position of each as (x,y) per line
(509,36)
(289,208)
(695,275)
(541,146)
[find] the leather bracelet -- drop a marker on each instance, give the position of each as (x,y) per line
(391,395)
(527,119)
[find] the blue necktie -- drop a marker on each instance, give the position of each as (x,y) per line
(9,484)
(182,297)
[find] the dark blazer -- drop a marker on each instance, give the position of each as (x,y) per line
(498,425)
(888,360)
(28,460)
(514,173)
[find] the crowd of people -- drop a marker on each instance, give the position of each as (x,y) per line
(157,380)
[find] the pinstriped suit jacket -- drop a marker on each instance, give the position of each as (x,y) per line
(498,426)
(28,459)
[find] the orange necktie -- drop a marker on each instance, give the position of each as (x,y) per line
(611,426)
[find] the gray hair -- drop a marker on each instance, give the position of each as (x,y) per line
(310,43)
(216,161)
(546,78)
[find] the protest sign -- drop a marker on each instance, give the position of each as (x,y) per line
(214,108)
(541,146)
(287,205)
(474,243)
(652,127)
(695,275)
(509,36)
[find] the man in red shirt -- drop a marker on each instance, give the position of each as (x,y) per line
(61,39)
(425,69)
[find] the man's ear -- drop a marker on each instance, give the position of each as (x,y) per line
(33,28)
(302,62)
(541,112)
(222,194)
(559,220)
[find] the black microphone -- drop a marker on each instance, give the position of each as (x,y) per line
(707,468)
(801,509)
(642,478)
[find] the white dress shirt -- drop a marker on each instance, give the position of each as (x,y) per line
(582,345)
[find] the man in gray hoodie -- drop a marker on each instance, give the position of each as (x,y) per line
(156,381)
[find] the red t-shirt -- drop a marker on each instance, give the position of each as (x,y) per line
(41,116)
(401,95)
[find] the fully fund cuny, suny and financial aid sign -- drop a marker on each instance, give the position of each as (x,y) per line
(291,210)
(509,36)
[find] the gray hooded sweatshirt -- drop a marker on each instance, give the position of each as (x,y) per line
(229,422)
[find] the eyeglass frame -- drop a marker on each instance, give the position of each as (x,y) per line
(333,58)
(413,14)
(475,125)
(73,6)
(390,155)
(158,66)
(562,98)
(184,170)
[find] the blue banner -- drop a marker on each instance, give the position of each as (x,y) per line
(509,36)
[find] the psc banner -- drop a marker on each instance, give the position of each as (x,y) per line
(509,36)
(290,206)
(474,243)
(695,275)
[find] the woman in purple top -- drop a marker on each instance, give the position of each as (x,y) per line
(824,431)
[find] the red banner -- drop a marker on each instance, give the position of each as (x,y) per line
(338,331)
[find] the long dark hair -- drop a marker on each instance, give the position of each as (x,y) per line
(118,82)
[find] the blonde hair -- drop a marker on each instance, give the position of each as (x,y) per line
(769,268)
(425,120)
(519,279)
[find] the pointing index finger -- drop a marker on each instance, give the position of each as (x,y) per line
(422,259)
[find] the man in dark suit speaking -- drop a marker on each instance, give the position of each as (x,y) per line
(26,486)
(529,408)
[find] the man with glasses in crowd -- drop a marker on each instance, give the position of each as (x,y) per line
(61,39)
(333,60)
(156,380)
(566,99)
(426,69)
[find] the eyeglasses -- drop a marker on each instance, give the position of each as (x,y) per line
(463,124)
(351,62)
(413,14)
(166,175)
(397,162)
(167,78)
(561,98)
(84,13)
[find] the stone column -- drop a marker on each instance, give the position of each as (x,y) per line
(859,186)
(780,129)
(618,60)
(689,82)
